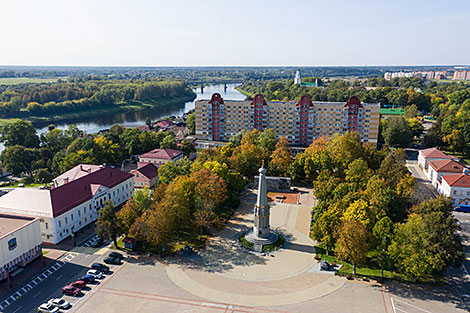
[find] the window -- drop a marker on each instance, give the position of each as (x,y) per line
(455,192)
(47,226)
(60,224)
(66,221)
(71,216)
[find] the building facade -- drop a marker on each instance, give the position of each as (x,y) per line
(146,175)
(65,209)
(457,187)
(300,122)
(461,75)
(20,242)
(432,154)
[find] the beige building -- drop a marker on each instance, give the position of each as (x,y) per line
(20,242)
(300,122)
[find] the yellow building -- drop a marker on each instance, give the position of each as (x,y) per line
(300,122)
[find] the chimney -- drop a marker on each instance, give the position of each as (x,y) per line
(52,186)
(89,170)
(66,180)
(465,170)
(81,167)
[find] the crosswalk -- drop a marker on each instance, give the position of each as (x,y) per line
(87,249)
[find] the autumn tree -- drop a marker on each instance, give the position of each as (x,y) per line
(107,224)
(352,243)
(382,238)
(20,133)
(179,199)
(280,158)
(127,215)
(210,191)
(413,253)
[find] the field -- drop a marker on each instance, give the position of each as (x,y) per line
(25,80)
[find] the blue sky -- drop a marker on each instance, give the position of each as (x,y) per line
(242,32)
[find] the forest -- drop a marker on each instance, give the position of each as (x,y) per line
(73,96)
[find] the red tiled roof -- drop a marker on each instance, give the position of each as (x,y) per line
(446,166)
(162,154)
(68,196)
(148,170)
(164,123)
(435,153)
(458,180)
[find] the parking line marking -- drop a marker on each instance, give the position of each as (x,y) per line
(19,308)
(36,294)
(413,306)
(59,277)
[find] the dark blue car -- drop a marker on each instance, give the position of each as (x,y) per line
(87,279)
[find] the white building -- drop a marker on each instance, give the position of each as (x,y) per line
(431,154)
(439,168)
(65,209)
(457,187)
(20,242)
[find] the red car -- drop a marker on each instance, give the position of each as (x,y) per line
(71,290)
(79,284)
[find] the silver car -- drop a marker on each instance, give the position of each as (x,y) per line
(97,274)
(59,303)
(47,308)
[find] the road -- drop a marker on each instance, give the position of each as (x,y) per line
(51,286)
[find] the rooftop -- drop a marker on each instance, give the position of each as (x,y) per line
(458,180)
(435,153)
(162,154)
(75,173)
(447,166)
(54,202)
(10,223)
(149,170)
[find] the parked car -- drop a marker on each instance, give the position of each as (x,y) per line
(71,290)
(47,308)
(100,267)
(111,260)
(116,255)
(324,265)
(95,273)
(59,303)
(87,278)
(79,284)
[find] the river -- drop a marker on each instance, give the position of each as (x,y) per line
(137,118)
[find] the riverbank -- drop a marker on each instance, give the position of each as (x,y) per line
(246,93)
(134,106)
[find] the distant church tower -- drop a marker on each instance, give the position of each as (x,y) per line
(261,210)
(297,79)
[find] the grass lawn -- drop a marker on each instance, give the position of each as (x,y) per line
(44,252)
(25,80)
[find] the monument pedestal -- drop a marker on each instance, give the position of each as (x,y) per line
(251,237)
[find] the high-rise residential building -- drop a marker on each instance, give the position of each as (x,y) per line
(462,75)
(300,122)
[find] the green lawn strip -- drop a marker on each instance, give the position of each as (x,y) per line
(245,243)
(15,185)
(369,270)
(459,155)
(25,80)
(44,252)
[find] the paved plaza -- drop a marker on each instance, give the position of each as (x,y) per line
(226,278)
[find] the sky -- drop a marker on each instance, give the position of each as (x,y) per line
(234,33)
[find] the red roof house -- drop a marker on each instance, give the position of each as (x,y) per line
(146,175)
(161,156)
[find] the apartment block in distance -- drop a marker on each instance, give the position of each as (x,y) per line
(300,122)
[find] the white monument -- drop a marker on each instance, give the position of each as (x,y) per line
(261,233)
(297,79)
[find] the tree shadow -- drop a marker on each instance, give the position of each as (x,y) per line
(454,291)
